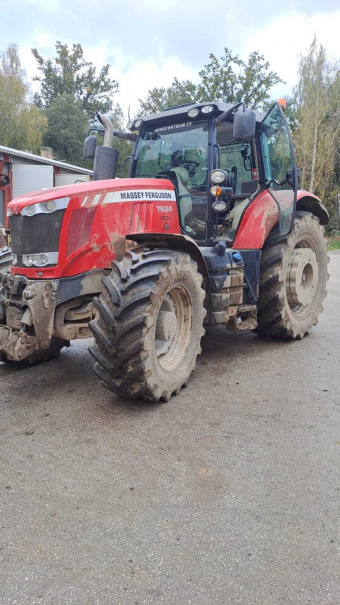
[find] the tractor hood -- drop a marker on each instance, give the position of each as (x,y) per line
(66,231)
(80,190)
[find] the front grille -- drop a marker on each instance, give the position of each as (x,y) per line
(35,234)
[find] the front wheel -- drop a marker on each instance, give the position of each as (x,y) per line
(149,324)
(293,280)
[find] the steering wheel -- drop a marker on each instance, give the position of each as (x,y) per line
(190,164)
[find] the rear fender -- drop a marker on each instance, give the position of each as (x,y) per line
(310,203)
(173,241)
(261,215)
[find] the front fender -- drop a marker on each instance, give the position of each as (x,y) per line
(173,241)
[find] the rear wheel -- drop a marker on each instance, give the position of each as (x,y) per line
(293,280)
(149,324)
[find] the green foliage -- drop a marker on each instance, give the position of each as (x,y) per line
(124,147)
(226,79)
(71,92)
(232,80)
(21,124)
(160,98)
(334,242)
(67,128)
(317,135)
(70,74)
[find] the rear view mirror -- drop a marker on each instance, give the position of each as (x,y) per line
(291,180)
(90,145)
(244,125)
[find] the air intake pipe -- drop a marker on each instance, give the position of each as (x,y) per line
(106,157)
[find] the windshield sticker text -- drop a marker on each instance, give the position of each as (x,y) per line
(173,127)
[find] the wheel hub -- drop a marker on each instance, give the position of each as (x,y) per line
(302,277)
(165,330)
(173,328)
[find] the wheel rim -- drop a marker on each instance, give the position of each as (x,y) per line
(173,328)
(302,277)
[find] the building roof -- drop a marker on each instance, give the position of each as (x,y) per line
(42,160)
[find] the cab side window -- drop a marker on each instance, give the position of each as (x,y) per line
(237,155)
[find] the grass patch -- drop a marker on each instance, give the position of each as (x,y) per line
(334,242)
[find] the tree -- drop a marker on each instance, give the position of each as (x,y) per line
(69,73)
(317,136)
(160,98)
(226,79)
(67,128)
(21,123)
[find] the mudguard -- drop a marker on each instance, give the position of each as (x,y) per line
(261,215)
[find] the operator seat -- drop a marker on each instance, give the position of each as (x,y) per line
(184,197)
(241,202)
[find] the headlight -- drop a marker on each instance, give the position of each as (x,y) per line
(14,259)
(28,260)
(219,206)
(40,260)
(137,123)
(9,211)
(207,109)
(29,210)
(129,125)
(193,113)
(46,207)
(50,205)
(219,176)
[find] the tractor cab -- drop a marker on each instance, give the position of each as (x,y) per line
(219,157)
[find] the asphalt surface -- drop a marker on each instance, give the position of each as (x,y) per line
(228,494)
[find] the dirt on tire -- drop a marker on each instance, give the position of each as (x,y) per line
(278,316)
(125,329)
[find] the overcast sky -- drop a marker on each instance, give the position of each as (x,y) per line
(149,42)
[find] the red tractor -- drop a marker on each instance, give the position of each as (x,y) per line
(209,228)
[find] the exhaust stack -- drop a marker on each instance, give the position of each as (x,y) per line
(105,157)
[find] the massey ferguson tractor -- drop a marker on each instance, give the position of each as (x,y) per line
(209,228)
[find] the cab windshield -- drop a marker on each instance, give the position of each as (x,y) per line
(180,153)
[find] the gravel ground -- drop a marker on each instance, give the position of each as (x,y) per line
(228,494)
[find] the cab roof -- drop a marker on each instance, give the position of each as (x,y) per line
(181,111)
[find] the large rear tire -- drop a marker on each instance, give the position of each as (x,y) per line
(293,280)
(149,325)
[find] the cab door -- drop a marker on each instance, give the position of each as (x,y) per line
(278,166)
